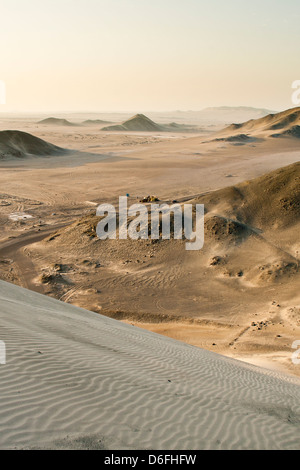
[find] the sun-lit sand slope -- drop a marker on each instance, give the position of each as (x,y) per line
(21,144)
(286,123)
(76,379)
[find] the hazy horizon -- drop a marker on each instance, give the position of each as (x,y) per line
(62,112)
(131,55)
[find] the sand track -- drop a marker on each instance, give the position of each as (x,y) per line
(14,250)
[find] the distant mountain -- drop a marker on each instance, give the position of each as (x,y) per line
(233,114)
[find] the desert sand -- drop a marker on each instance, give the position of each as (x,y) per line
(75,379)
(238,296)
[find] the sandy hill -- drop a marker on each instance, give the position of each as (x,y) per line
(20,144)
(252,207)
(138,123)
(74,379)
(268,201)
(262,215)
(56,122)
(247,272)
(283,123)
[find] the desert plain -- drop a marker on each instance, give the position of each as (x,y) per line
(238,296)
(142,344)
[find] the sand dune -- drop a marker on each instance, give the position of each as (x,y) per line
(256,131)
(281,121)
(76,379)
(139,123)
(56,122)
(21,144)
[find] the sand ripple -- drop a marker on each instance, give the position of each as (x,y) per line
(76,379)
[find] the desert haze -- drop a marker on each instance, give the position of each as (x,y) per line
(182,349)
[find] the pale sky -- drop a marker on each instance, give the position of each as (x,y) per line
(154,55)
